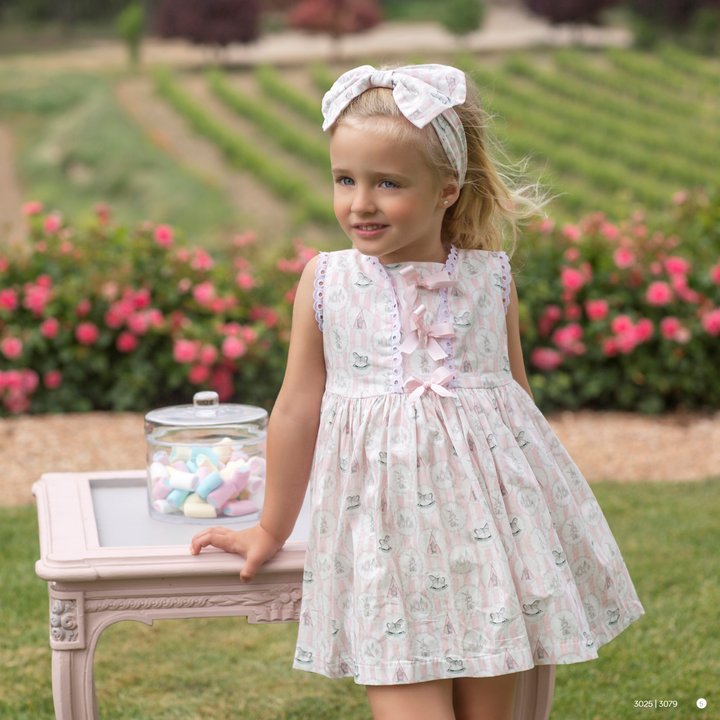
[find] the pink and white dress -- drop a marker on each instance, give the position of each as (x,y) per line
(452,534)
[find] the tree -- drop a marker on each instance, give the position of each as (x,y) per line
(130,24)
(463,16)
(335,17)
(570,11)
(208,22)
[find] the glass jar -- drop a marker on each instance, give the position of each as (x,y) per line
(206,461)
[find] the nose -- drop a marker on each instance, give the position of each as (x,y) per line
(363,202)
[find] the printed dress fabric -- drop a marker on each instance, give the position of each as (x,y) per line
(452,534)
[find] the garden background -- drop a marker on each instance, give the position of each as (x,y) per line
(154,221)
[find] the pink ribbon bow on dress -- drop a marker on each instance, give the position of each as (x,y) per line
(424,335)
(431,282)
(437,382)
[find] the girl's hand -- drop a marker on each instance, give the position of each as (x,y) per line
(255,544)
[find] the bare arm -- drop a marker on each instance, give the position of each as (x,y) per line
(517,364)
(292,433)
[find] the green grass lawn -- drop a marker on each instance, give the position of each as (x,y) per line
(224,668)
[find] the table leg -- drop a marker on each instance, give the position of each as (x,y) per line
(73,685)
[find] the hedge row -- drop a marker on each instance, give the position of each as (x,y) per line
(275,127)
(242,154)
(275,87)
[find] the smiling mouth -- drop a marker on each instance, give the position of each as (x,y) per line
(368,227)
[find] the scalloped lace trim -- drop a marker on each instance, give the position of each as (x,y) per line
(506,277)
(319,292)
(444,316)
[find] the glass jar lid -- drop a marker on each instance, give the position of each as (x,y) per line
(206,410)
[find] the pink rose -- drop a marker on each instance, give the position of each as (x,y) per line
(208,355)
(658,293)
(677,265)
(609,230)
(34,207)
(126,342)
(12,380)
(655,267)
(184,351)
(682,335)
(546,359)
(572,311)
(29,380)
(52,223)
(199,374)
(623,258)
(553,313)
(11,347)
(680,197)
(246,238)
(248,334)
(103,212)
(711,322)
(184,285)
(232,347)
(40,246)
(141,299)
(36,297)
(183,255)
(87,333)
(596,309)
(221,382)
(217,305)
(231,328)
(609,347)
(156,318)
(52,379)
(83,308)
(572,254)
(568,339)
(109,290)
(626,341)
(114,318)
(8,299)
(49,328)
(244,281)
(571,232)
(201,260)
(644,329)
(138,323)
(163,236)
(572,280)
(44,281)
(715,274)
(620,324)
(204,292)
(669,327)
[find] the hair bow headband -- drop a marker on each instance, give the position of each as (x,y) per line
(423,93)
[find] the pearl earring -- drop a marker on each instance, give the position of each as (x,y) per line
(445,203)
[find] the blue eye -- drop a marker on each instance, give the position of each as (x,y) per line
(341,181)
(390,183)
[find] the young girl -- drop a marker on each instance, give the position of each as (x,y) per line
(454,543)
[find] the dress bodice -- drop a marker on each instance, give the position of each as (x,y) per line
(391,328)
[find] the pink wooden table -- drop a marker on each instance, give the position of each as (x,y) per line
(105,560)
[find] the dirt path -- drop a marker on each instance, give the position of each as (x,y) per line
(11,221)
(606,446)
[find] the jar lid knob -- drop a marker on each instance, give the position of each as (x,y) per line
(206,398)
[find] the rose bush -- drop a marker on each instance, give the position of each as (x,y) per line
(113,318)
(622,316)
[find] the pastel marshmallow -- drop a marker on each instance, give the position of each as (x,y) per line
(237,454)
(180,452)
(240,477)
(203,472)
(193,498)
(207,461)
(162,457)
(161,490)
(223,449)
(208,484)
(158,471)
(180,465)
(163,506)
(239,507)
(177,497)
(255,483)
(199,510)
(257,466)
(184,481)
(221,494)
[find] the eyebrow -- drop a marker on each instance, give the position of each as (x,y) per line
(380,173)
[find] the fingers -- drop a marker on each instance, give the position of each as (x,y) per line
(219,537)
(252,563)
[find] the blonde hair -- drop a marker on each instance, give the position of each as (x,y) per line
(492,205)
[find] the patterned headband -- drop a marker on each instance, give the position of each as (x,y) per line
(423,93)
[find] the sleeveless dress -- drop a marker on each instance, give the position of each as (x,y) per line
(451,533)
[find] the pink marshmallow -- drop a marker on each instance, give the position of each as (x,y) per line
(240,477)
(180,465)
(237,455)
(254,484)
(201,472)
(161,490)
(239,507)
(257,466)
(221,494)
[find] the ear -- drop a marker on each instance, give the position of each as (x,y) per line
(449,194)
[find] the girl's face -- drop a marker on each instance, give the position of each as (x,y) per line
(386,199)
